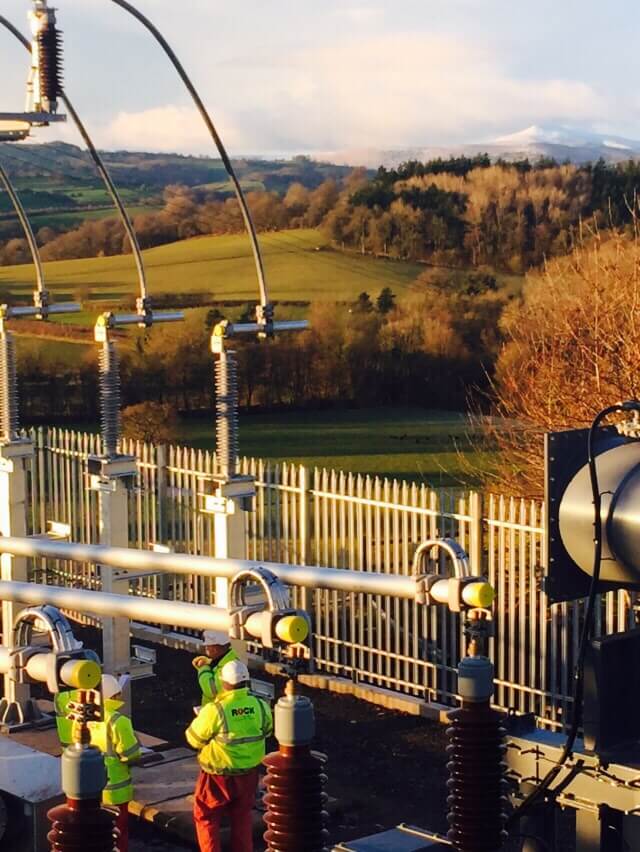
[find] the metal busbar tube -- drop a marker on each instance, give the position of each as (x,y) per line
(306,576)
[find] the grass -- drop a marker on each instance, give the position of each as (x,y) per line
(428,447)
(299,265)
(409,443)
(65,352)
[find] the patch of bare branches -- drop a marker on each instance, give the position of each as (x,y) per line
(572,346)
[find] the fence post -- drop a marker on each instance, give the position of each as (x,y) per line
(476,532)
(161,497)
(304,534)
(304,545)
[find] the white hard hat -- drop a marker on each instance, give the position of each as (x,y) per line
(110,686)
(214,637)
(234,673)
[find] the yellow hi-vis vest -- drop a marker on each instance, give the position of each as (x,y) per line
(63,723)
(117,741)
(229,733)
(209,677)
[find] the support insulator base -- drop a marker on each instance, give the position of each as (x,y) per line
(476,783)
(296,815)
(82,826)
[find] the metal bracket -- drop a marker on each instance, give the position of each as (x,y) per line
(456,553)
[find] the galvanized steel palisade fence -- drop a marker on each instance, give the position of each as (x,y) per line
(344,520)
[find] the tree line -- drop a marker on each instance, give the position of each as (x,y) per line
(462,211)
(428,349)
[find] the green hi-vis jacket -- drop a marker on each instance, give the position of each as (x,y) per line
(116,739)
(63,724)
(209,677)
(229,733)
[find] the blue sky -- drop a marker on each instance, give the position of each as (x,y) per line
(319,75)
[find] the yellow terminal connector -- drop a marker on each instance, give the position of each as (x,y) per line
(81,674)
(480,595)
(292,629)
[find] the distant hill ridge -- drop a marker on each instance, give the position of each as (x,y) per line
(58,162)
(560,142)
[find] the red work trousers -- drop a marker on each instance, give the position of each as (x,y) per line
(122,824)
(217,796)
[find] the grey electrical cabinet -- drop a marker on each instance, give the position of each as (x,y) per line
(29,786)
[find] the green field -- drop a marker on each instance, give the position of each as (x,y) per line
(299,265)
(411,443)
(436,448)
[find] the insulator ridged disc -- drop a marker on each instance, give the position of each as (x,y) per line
(90,829)
(296,815)
(476,782)
(50,56)
(9,421)
(110,421)
(226,386)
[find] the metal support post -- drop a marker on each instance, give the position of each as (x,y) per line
(14,462)
(15,455)
(232,494)
(113,502)
(111,476)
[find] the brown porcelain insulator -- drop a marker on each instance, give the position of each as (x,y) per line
(296,815)
(82,826)
(476,779)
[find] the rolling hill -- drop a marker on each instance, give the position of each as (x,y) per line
(300,265)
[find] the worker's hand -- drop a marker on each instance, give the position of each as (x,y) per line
(199,662)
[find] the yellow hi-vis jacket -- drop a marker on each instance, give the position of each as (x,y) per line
(229,733)
(209,677)
(63,723)
(117,741)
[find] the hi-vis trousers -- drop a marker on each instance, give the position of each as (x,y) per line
(217,796)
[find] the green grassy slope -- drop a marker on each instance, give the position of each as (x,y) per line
(425,446)
(223,268)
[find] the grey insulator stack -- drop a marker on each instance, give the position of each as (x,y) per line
(109,368)
(226,375)
(9,423)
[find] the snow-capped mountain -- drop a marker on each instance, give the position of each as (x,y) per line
(562,142)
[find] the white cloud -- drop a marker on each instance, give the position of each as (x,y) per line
(169,128)
(396,90)
(381,91)
(360,14)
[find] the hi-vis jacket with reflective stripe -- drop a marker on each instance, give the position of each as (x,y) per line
(117,741)
(230,732)
(63,724)
(209,677)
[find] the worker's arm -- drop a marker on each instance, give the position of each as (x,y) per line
(125,741)
(207,682)
(268,719)
(204,727)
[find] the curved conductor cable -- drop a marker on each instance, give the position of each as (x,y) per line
(28,231)
(104,174)
(265,310)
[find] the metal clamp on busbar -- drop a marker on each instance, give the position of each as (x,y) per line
(269,611)
(65,664)
(461,592)
(450,547)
